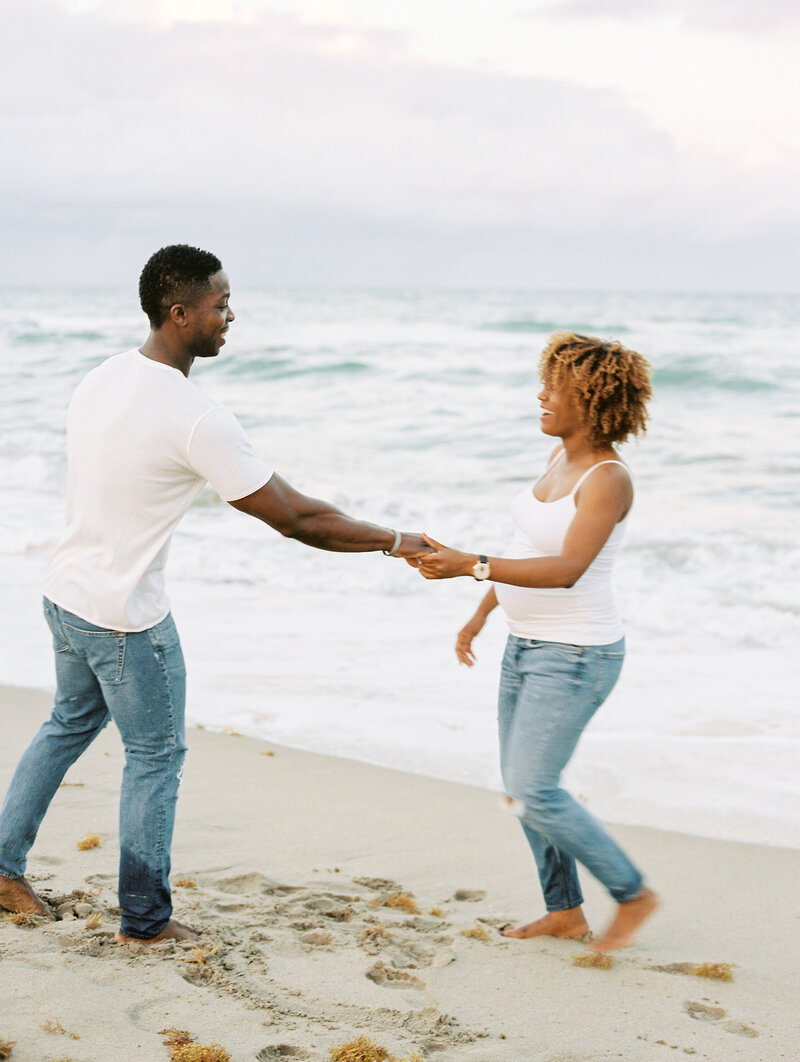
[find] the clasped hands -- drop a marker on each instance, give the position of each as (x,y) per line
(441,562)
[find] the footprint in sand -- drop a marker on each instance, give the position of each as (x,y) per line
(330,907)
(248,884)
(379,884)
(386,977)
(469,895)
(715,1015)
(319,938)
(232,906)
(417,956)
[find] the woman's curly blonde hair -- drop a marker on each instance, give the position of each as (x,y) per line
(611,383)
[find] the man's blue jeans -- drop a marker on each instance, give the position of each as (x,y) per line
(548,693)
(139,681)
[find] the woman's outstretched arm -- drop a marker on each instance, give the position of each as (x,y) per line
(602,502)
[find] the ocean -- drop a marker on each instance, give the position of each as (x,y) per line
(418,409)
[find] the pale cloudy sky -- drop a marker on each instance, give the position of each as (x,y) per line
(648,144)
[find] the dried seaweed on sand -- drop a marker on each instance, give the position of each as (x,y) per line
(366,1050)
(182,1048)
(91,840)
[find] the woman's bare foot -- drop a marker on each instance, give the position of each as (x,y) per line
(570,924)
(627,920)
(16,895)
(173,930)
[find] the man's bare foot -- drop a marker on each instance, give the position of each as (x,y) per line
(16,895)
(627,920)
(570,924)
(173,930)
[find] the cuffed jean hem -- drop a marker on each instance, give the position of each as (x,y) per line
(630,894)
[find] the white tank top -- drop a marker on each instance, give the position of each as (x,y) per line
(583,614)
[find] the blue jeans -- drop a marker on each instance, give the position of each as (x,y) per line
(548,693)
(139,681)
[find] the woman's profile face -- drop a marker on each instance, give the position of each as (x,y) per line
(560,411)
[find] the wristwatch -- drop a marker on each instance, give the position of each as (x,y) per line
(481,570)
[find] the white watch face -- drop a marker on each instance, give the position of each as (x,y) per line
(481,570)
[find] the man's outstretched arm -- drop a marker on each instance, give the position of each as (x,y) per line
(320,524)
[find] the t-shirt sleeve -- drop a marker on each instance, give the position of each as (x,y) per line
(220,451)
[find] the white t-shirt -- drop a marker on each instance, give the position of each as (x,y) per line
(142,441)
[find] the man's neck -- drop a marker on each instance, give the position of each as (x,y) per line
(157,347)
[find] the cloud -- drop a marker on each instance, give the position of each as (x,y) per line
(740,16)
(283,113)
(318,144)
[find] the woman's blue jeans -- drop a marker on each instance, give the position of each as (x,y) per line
(548,693)
(139,681)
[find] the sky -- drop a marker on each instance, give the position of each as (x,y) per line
(607,144)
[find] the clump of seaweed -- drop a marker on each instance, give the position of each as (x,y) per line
(186,883)
(366,1050)
(475,933)
(404,901)
(94,920)
(437,911)
(6,1047)
(176,1037)
(57,1027)
(200,956)
(21,918)
(212,1052)
(721,971)
(360,1050)
(91,840)
(597,959)
(183,1048)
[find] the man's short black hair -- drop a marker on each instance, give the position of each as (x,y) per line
(177,273)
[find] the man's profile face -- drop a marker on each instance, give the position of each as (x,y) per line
(208,318)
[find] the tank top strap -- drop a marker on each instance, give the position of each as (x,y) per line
(556,457)
(591,469)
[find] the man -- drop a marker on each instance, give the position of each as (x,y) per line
(142,442)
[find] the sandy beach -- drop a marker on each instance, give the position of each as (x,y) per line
(291,864)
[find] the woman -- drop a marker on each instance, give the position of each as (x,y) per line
(566,645)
